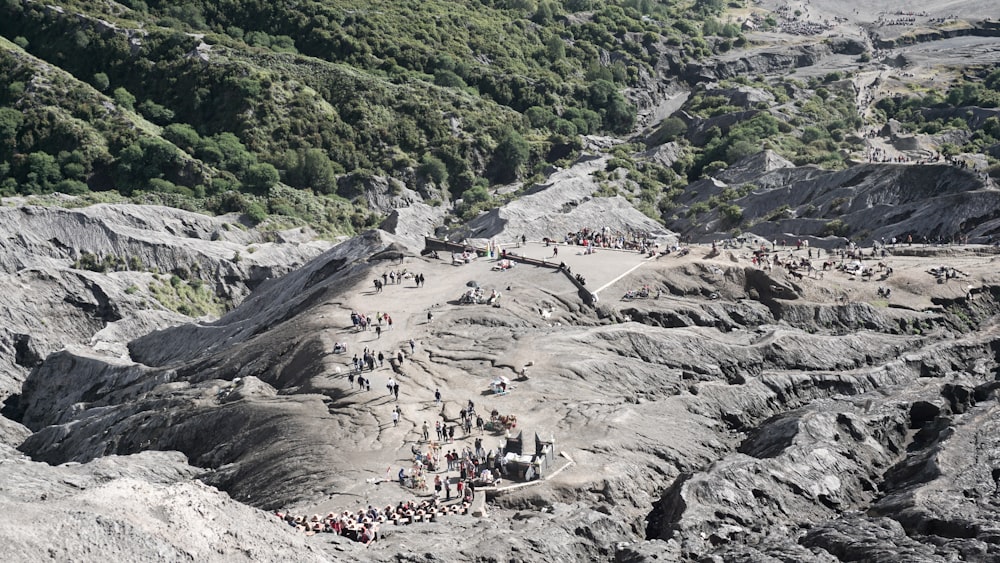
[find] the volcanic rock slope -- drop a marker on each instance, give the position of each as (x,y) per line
(742,415)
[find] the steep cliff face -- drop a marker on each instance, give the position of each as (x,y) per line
(756,62)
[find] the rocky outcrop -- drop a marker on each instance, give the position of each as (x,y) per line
(413,222)
(760,62)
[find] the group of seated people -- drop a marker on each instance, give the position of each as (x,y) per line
(607,238)
(363,525)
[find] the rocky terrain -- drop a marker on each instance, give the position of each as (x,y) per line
(740,411)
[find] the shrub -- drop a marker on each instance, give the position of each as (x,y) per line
(836,228)
(123,98)
(433,169)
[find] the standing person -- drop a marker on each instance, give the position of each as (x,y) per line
(437,393)
(399,357)
(378,331)
(395,417)
(381,359)
(447,489)
(350,377)
(430,316)
(437,429)
(427,433)
(413,346)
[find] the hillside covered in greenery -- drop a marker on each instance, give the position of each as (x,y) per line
(266,107)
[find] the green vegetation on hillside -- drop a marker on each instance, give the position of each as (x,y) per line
(215,105)
(968,113)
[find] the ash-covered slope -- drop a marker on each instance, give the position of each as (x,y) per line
(223,376)
(98,276)
(867,202)
(565,203)
(828,408)
(90,512)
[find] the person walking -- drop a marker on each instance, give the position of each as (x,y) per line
(395,417)
(413,346)
(437,393)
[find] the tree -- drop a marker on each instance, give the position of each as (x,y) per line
(316,171)
(10,122)
(261,177)
(555,48)
(124,98)
(42,173)
(511,155)
(545,14)
(739,150)
(539,116)
(476,195)
(812,133)
(448,79)
(620,116)
(143,160)
(156,113)
(101,81)
(672,127)
(433,169)
(182,135)
(602,92)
